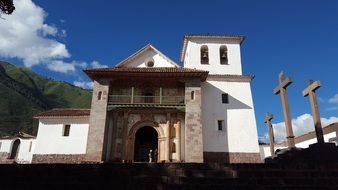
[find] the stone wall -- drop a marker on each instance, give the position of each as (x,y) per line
(193,124)
(4,157)
(231,157)
(58,158)
(97,122)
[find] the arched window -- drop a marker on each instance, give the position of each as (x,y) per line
(15,149)
(223,55)
(99,95)
(204,55)
(192,95)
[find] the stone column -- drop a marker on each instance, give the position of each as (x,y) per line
(114,136)
(167,140)
(178,140)
(193,122)
(124,135)
(97,122)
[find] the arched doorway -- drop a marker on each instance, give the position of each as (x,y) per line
(146,141)
(15,149)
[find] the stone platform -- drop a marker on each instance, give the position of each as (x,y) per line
(169,176)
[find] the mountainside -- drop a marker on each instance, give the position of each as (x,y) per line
(24,93)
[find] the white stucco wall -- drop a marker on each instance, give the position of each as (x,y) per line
(240,134)
(50,139)
(305,144)
(25,152)
(265,149)
(159,61)
(5,145)
(193,57)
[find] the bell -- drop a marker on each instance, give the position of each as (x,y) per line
(205,55)
(224,55)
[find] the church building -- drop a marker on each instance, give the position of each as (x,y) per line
(149,108)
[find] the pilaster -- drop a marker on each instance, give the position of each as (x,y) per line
(97,122)
(193,123)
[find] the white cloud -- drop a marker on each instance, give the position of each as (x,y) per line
(64,67)
(334,99)
(85,85)
(23,35)
(60,66)
(49,30)
(96,64)
(301,125)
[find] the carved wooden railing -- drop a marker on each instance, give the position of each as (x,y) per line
(150,100)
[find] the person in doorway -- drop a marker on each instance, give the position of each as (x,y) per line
(150,156)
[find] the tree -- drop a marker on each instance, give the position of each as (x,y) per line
(6,6)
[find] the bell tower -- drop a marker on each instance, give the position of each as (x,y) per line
(227,112)
(216,54)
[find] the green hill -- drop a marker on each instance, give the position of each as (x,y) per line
(24,93)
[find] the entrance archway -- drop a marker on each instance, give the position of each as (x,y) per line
(146,141)
(15,149)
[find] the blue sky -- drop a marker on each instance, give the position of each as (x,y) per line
(297,36)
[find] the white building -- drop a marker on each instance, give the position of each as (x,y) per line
(304,141)
(201,112)
(18,148)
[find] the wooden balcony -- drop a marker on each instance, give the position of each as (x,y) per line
(146,100)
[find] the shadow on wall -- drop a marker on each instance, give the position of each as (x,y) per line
(219,111)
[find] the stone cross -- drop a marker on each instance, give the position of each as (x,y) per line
(268,119)
(310,91)
(281,88)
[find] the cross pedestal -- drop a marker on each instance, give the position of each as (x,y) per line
(310,91)
(268,119)
(281,88)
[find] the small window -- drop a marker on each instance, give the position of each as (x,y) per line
(223,55)
(66,130)
(204,55)
(225,98)
(192,95)
(220,125)
(150,64)
(30,146)
(99,95)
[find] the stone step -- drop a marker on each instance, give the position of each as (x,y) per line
(168,176)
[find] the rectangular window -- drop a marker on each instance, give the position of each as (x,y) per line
(30,146)
(66,130)
(220,125)
(225,98)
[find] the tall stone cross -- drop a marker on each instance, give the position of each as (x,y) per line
(310,91)
(268,119)
(281,88)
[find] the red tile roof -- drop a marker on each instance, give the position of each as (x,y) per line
(54,113)
(146,71)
